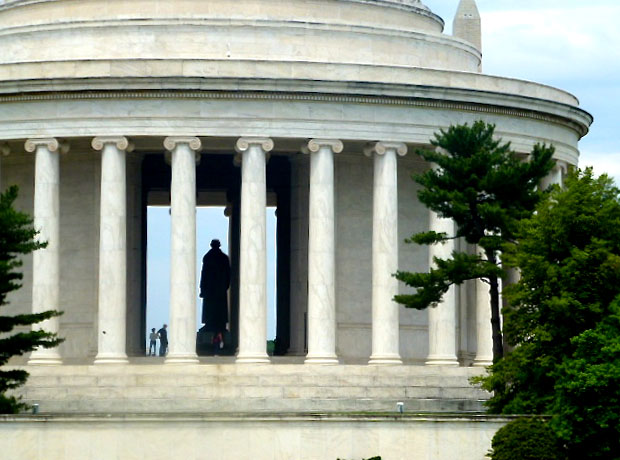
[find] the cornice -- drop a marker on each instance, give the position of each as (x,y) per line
(395,4)
(421,102)
(134,23)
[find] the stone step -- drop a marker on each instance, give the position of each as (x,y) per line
(228,380)
(265,388)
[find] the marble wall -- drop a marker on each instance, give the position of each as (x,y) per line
(243,437)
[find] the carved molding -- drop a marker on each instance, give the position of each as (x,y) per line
(171,142)
(381,147)
(473,106)
(52,144)
(121,142)
(244,143)
(314,145)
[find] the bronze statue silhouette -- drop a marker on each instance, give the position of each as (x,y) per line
(214,284)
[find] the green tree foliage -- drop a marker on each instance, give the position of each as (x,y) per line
(486,189)
(525,439)
(587,400)
(17,238)
(564,319)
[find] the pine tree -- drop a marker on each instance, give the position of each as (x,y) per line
(563,319)
(17,238)
(486,189)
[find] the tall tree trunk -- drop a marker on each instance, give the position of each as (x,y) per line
(498,344)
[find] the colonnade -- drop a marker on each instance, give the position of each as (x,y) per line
(252,154)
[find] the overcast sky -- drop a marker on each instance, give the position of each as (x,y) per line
(570,44)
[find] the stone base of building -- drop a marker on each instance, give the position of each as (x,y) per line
(251,436)
(148,409)
(217,384)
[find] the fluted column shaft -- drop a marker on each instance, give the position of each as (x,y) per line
(442,319)
(46,261)
(484,333)
(321,254)
(182,331)
(253,251)
(385,324)
(555,176)
(112,317)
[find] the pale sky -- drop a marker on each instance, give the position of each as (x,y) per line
(570,44)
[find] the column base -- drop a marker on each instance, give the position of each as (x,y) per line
(331,360)
(253,359)
(44,361)
(482,362)
(385,360)
(111,359)
(181,359)
(441,361)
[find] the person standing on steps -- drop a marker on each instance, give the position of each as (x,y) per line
(214,284)
(163,340)
(153,342)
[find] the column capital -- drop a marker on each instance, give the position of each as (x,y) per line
(380,148)
(314,145)
(52,144)
(171,142)
(244,143)
(5,150)
(121,142)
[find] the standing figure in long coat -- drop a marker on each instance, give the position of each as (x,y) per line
(214,283)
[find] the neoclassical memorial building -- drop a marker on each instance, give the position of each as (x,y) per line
(314,107)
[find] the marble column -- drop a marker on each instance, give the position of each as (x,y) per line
(385,325)
(253,250)
(46,261)
(555,176)
(442,318)
(112,316)
(321,253)
(484,334)
(182,330)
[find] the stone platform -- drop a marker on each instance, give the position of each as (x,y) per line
(285,410)
(238,436)
(217,385)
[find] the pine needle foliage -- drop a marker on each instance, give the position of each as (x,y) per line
(486,189)
(563,319)
(17,238)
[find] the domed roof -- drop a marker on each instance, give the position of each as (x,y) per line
(216,33)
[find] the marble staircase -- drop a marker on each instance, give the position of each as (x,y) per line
(220,386)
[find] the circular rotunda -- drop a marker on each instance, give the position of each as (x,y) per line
(314,107)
